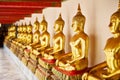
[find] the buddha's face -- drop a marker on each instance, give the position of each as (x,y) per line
(56,27)
(36,26)
(75,26)
(20,29)
(24,29)
(29,29)
(114,24)
(42,27)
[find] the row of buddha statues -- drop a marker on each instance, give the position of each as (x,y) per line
(52,62)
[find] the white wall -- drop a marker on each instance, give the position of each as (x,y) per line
(97,13)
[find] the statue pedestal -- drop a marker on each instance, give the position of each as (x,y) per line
(44,68)
(45,74)
(45,63)
(68,75)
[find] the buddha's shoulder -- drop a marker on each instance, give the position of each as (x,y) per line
(60,34)
(46,33)
(83,36)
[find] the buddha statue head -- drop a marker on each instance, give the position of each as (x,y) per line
(115,21)
(36,25)
(59,24)
(43,25)
(29,28)
(78,21)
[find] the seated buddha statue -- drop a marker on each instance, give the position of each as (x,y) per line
(44,37)
(78,58)
(29,37)
(24,35)
(49,55)
(35,38)
(110,69)
(36,43)
(19,39)
(11,32)
(58,41)
(17,36)
(36,35)
(29,34)
(21,36)
(11,35)
(71,65)
(39,49)
(23,40)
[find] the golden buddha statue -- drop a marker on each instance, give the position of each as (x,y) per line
(110,69)
(32,64)
(35,37)
(11,35)
(24,40)
(20,34)
(17,35)
(76,61)
(50,54)
(11,31)
(19,41)
(15,42)
(45,43)
(21,37)
(29,34)
(58,41)
(29,38)
(21,44)
(44,38)
(79,46)
(36,34)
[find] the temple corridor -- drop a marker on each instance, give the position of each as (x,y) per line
(8,69)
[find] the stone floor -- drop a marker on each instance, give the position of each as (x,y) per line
(8,69)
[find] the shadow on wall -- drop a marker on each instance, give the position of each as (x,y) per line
(92,55)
